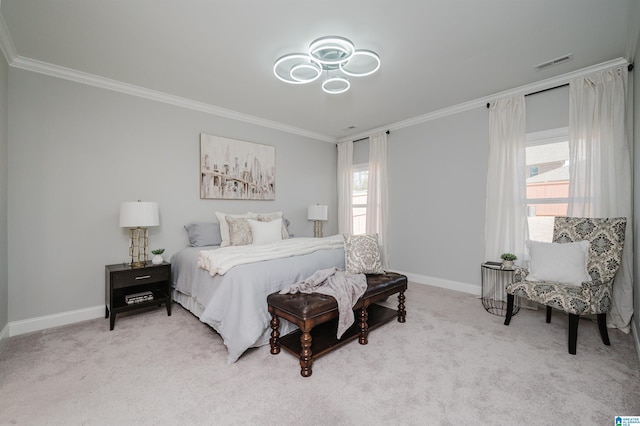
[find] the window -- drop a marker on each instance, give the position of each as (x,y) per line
(547,153)
(359,198)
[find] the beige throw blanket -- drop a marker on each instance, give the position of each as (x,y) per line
(345,288)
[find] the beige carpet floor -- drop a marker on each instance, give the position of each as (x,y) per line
(450,363)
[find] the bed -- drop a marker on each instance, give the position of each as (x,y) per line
(233,300)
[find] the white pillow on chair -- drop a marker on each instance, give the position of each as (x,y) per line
(559,262)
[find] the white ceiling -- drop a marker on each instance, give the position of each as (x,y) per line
(435,54)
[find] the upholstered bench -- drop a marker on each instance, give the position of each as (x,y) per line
(320,313)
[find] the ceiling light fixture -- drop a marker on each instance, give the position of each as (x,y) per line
(333,56)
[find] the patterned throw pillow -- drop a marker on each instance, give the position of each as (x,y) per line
(239,231)
(362,254)
(224,226)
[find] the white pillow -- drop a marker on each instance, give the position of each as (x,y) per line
(267,217)
(266,232)
(224,226)
(559,262)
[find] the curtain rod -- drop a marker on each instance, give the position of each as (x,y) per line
(629,68)
(361,139)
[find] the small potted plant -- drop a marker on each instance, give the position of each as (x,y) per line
(507,259)
(157,258)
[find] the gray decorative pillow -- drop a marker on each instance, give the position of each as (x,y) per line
(362,254)
(203,234)
(239,231)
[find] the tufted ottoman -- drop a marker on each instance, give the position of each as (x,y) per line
(320,313)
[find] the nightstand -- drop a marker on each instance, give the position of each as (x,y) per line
(122,280)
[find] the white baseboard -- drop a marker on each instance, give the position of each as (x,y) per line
(55,320)
(439,282)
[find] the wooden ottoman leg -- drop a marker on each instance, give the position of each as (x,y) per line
(275,334)
(402,314)
(364,327)
(306,359)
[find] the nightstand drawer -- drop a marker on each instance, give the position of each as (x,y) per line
(135,277)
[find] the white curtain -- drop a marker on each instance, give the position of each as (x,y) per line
(345,185)
(378,193)
(506,216)
(600,168)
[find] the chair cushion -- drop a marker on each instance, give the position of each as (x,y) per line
(569,298)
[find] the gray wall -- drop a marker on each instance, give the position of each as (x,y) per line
(4,280)
(77,151)
(437,189)
(437,175)
(548,110)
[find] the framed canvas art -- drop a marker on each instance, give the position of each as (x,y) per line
(236,170)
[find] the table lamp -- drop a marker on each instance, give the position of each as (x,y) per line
(138,216)
(317,213)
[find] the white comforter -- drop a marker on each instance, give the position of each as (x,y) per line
(221,260)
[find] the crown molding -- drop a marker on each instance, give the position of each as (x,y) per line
(481,102)
(9,51)
(154,95)
(8,48)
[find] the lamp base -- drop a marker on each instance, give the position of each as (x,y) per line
(138,244)
(317,229)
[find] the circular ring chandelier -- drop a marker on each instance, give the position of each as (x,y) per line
(334,57)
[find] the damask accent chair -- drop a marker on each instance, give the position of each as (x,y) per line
(606,237)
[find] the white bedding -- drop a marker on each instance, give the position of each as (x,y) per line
(221,260)
(235,303)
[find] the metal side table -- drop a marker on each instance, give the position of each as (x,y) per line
(495,278)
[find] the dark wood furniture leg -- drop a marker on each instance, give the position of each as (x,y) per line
(573,333)
(402,313)
(548,314)
(275,335)
(509,314)
(602,326)
(364,327)
(306,360)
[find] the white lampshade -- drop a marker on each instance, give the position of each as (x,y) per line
(139,214)
(317,212)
